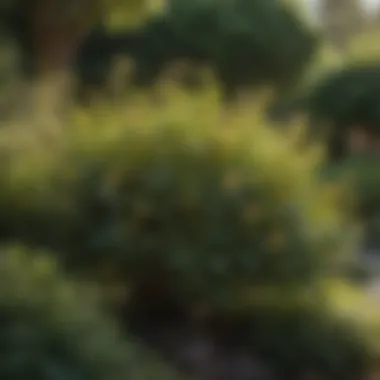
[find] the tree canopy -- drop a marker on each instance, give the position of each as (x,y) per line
(248,44)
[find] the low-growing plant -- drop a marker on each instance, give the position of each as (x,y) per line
(53,328)
(333,337)
(313,341)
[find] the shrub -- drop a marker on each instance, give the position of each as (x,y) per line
(362,172)
(52,328)
(332,337)
(313,341)
(218,207)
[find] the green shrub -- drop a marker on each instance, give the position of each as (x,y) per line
(311,340)
(52,328)
(332,337)
(362,172)
(217,206)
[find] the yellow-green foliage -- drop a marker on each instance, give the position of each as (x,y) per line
(120,14)
(351,302)
(221,202)
(364,47)
(52,328)
(358,307)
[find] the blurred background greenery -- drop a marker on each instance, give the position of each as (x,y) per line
(189,189)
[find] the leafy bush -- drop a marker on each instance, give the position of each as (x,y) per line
(334,336)
(320,344)
(362,172)
(217,206)
(52,328)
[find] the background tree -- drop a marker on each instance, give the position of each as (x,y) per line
(49,34)
(345,101)
(248,45)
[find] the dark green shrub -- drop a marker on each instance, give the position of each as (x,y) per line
(311,341)
(362,172)
(332,337)
(52,328)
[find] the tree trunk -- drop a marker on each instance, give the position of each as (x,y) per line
(57,28)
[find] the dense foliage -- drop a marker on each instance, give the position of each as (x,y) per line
(204,229)
(235,219)
(52,328)
(321,343)
(247,44)
(217,209)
